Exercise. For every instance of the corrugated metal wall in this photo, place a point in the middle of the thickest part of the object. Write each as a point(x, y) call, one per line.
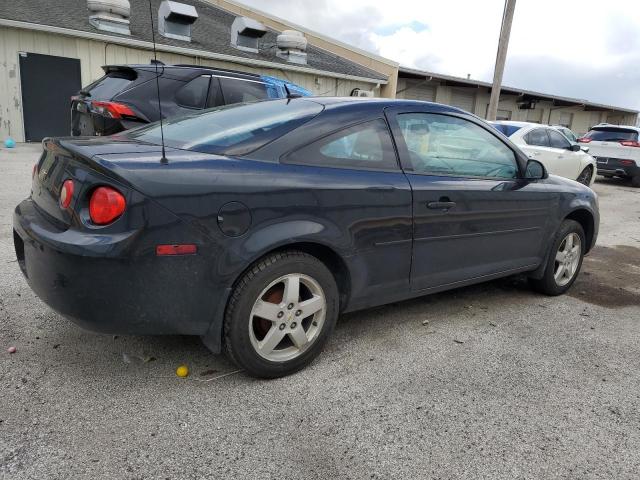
point(93, 54)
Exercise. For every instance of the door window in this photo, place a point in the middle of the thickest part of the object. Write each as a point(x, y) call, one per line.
point(194, 93)
point(537, 138)
point(444, 145)
point(557, 140)
point(365, 146)
point(241, 91)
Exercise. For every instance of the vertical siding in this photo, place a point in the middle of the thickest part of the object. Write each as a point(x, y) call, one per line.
point(93, 54)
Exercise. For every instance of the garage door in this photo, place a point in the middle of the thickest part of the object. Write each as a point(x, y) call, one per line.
point(534, 115)
point(47, 82)
point(417, 90)
point(463, 99)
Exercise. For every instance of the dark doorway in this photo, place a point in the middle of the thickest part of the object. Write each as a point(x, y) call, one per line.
point(47, 82)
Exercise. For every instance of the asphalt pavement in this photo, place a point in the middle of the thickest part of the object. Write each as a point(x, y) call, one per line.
point(491, 381)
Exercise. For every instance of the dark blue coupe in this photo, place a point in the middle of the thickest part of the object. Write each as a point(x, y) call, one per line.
point(264, 221)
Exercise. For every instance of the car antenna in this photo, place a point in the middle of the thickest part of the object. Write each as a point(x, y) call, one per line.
point(155, 61)
point(289, 94)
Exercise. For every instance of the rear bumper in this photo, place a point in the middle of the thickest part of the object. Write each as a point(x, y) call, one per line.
point(613, 166)
point(93, 280)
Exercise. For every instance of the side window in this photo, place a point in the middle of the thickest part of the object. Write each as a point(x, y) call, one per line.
point(537, 137)
point(240, 91)
point(444, 145)
point(215, 94)
point(194, 93)
point(558, 140)
point(367, 145)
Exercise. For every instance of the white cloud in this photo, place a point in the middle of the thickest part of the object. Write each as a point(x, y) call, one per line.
point(581, 48)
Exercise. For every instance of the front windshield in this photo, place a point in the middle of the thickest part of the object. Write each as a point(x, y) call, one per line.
point(231, 130)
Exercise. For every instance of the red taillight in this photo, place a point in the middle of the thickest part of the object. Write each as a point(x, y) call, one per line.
point(113, 109)
point(106, 204)
point(584, 140)
point(630, 143)
point(182, 249)
point(627, 162)
point(66, 194)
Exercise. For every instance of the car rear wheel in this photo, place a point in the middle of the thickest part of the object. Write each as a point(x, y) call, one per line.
point(585, 177)
point(635, 181)
point(280, 314)
point(565, 260)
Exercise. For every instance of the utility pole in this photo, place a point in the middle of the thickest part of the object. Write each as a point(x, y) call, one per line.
point(501, 57)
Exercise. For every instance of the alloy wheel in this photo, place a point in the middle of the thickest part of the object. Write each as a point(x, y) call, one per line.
point(567, 259)
point(585, 177)
point(287, 317)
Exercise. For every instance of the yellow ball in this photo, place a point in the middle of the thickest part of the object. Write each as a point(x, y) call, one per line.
point(182, 371)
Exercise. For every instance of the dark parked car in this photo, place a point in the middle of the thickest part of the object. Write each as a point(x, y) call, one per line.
point(264, 221)
point(127, 95)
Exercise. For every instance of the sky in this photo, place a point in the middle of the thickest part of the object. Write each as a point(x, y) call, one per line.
point(576, 48)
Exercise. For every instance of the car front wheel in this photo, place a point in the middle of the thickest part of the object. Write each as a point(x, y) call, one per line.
point(280, 314)
point(585, 177)
point(564, 261)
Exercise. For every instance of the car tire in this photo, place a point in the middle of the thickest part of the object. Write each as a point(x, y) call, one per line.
point(564, 262)
point(283, 339)
point(635, 181)
point(585, 176)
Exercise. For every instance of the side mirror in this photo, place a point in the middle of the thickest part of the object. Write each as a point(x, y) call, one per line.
point(584, 149)
point(575, 147)
point(535, 170)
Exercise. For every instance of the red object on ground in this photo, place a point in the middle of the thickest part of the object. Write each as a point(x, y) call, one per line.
point(12, 349)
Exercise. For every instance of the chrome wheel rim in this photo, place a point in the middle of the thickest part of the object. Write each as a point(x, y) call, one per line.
point(287, 317)
point(567, 259)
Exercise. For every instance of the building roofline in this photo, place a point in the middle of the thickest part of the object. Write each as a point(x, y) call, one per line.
point(516, 91)
point(309, 31)
point(132, 42)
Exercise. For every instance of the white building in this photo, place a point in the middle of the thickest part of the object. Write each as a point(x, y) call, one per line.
point(515, 104)
point(47, 55)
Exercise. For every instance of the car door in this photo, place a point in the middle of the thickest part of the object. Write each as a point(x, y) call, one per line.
point(474, 216)
point(566, 163)
point(353, 177)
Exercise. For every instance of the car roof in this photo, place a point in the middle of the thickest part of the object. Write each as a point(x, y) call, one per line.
point(518, 124)
point(181, 67)
point(625, 127)
point(382, 102)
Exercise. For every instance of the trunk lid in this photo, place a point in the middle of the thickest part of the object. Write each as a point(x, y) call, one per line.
point(69, 158)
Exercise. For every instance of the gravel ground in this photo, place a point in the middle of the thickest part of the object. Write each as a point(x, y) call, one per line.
point(491, 381)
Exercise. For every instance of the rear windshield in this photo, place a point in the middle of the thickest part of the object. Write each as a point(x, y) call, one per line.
point(507, 130)
point(110, 85)
point(233, 129)
point(609, 134)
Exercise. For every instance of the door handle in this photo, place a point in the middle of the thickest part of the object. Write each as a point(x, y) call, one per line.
point(441, 205)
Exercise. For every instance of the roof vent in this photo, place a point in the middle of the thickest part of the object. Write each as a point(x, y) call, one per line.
point(292, 46)
point(175, 20)
point(245, 33)
point(110, 15)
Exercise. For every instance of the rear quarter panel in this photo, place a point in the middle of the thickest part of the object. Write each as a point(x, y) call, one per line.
point(364, 217)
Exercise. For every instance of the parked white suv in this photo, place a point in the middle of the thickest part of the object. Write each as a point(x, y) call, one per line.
point(547, 145)
point(616, 150)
